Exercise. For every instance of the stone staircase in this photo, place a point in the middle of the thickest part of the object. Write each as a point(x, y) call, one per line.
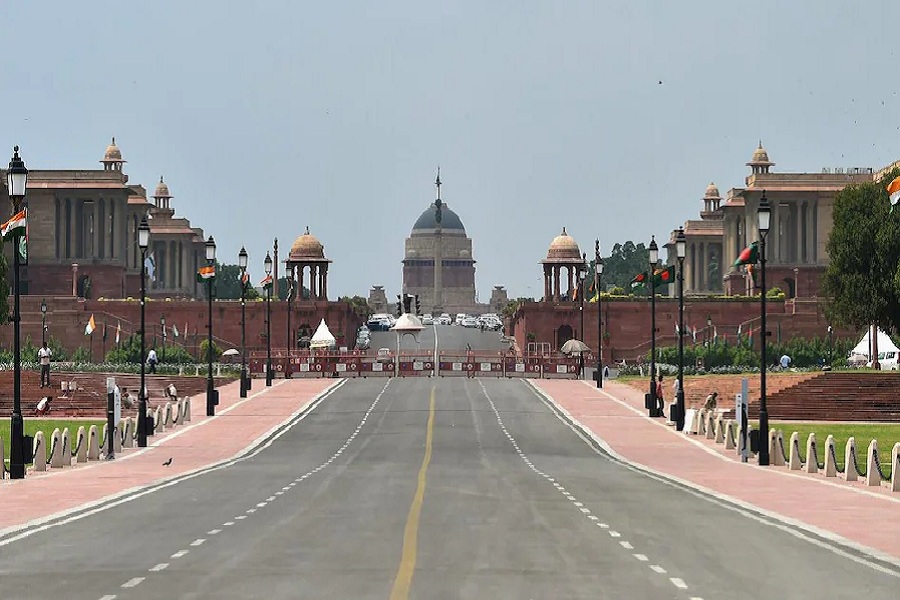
point(838, 396)
point(89, 399)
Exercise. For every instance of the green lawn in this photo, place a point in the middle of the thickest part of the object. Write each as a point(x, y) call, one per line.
point(47, 426)
point(887, 436)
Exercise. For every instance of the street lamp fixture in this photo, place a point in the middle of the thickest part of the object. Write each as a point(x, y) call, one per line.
point(680, 252)
point(16, 179)
point(143, 244)
point(598, 273)
point(709, 336)
point(268, 267)
point(43, 321)
point(654, 258)
point(211, 399)
point(242, 263)
point(290, 293)
point(763, 213)
point(830, 347)
point(162, 325)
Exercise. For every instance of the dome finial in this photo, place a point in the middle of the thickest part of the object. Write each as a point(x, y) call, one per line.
point(307, 230)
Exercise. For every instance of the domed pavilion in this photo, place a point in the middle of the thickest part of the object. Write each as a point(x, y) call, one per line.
point(562, 255)
point(307, 252)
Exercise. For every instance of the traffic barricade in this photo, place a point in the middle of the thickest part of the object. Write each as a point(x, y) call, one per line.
point(514, 367)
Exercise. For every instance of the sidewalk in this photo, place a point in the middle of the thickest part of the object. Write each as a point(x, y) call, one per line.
point(202, 442)
point(615, 414)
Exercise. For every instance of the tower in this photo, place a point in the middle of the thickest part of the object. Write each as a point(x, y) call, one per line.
point(438, 307)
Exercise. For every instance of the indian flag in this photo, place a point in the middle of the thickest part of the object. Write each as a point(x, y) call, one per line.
point(90, 327)
point(16, 225)
point(266, 282)
point(206, 273)
point(245, 278)
point(893, 189)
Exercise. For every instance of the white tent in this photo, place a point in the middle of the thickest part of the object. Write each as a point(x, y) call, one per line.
point(861, 352)
point(322, 338)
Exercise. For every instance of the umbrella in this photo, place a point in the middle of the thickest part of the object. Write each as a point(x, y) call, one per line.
point(230, 352)
point(574, 347)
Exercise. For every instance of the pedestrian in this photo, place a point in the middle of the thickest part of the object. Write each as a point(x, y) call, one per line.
point(152, 360)
point(127, 401)
point(711, 401)
point(43, 407)
point(605, 371)
point(660, 402)
point(44, 354)
point(785, 362)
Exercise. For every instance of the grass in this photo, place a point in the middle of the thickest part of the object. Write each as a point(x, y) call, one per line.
point(887, 436)
point(32, 426)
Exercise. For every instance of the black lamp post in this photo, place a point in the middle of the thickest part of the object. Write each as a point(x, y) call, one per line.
point(709, 336)
point(830, 346)
point(654, 257)
point(582, 274)
point(162, 325)
point(210, 386)
point(16, 178)
point(598, 272)
point(290, 292)
point(43, 322)
point(268, 267)
point(242, 263)
point(143, 244)
point(681, 251)
point(764, 212)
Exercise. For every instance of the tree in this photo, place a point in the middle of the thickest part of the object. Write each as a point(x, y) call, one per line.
point(358, 304)
point(862, 279)
point(625, 261)
point(228, 283)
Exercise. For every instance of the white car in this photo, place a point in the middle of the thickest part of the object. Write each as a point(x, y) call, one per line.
point(384, 355)
point(427, 319)
point(459, 319)
point(470, 322)
point(444, 319)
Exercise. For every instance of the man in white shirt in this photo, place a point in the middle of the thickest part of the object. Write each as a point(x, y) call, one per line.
point(785, 361)
point(151, 360)
point(44, 355)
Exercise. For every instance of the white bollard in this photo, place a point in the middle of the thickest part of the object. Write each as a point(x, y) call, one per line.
point(779, 444)
point(710, 426)
point(157, 419)
point(40, 452)
point(66, 448)
point(2, 464)
point(895, 465)
point(93, 452)
point(729, 434)
point(795, 452)
point(720, 430)
point(701, 422)
point(773, 446)
point(187, 409)
point(873, 477)
point(812, 464)
point(127, 433)
point(169, 419)
point(830, 465)
point(849, 451)
point(56, 449)
point(82, 444)
point(117, 438)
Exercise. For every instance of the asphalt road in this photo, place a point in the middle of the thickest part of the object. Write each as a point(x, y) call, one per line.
point(428, 488)
point(448, 337)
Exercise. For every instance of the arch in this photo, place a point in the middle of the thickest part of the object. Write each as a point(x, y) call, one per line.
point(563, 334)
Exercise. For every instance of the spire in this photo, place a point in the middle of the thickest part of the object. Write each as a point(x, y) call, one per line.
point(437, 182)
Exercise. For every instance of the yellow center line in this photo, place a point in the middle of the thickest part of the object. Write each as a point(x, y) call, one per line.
point(411, 533)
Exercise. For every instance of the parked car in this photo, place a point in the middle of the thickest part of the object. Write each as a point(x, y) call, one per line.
point(459, 319)
point(470, 322)
point(383, 355)
point(445, 319)
point(427, 319)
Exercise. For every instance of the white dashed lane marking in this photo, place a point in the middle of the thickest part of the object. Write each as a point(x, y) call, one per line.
point(132, 582)
point(159, 567)
point(213, 531)
point(109, 597)
point(676, 581)
point(198, 542)
point(180, 553)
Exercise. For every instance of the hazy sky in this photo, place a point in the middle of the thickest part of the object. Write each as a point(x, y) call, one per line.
point(269, 116)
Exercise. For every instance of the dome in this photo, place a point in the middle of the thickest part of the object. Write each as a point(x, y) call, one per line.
point(449, 219)
point(563, 246)
point(307, 246)
point(712, 191)
point(112, 152)
point(162, 190)
point(760, 156)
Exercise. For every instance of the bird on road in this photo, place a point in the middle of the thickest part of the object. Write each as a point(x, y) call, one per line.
point(167, 463)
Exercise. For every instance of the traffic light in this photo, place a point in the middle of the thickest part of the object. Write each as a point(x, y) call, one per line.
point(407, 303)
point(418, 306)
point(399, 307)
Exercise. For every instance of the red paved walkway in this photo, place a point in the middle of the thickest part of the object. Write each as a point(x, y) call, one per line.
point(867, 516)
point(201, 442)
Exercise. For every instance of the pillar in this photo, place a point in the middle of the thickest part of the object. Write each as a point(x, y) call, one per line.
point(556, 273)
point(325, 282)
point(75, 279)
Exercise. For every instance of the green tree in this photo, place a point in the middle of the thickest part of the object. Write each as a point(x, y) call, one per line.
point(358, 304)
point(625, 261)
point(228, 283)
point(216, 351)
point(862, 279)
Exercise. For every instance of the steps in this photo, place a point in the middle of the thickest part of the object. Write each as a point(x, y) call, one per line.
point(90, 398)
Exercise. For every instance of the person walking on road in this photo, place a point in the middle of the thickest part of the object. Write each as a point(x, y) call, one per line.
point(661, 404)
point(44, 354)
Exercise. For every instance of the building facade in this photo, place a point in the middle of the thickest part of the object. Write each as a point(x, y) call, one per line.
point(82, 234)
point(800, 223)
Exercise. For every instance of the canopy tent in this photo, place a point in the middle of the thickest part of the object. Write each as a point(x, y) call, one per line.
point(861, 352)
point(322, 338)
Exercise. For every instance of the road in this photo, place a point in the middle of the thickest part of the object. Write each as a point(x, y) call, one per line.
point(428, 488)
point(448, 337)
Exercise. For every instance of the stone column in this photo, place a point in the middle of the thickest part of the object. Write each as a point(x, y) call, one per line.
point(325, 282)
point(313, 273)
point(556, 273)
point(75, 279)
